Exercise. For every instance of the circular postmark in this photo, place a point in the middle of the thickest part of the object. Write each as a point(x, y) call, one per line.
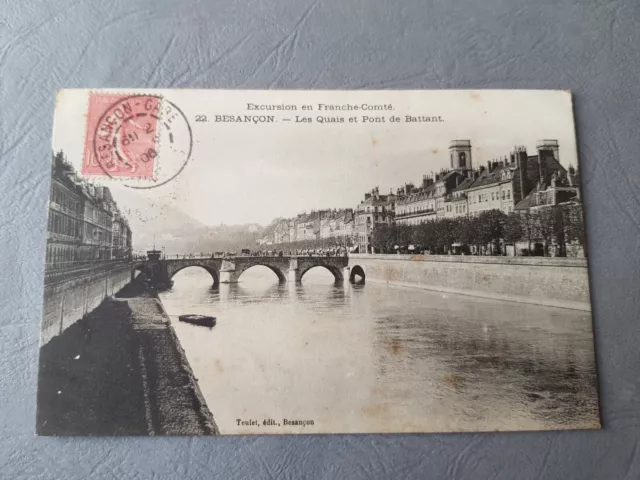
point(144, 141)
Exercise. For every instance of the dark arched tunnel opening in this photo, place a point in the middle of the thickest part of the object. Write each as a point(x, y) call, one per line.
point(357, 275)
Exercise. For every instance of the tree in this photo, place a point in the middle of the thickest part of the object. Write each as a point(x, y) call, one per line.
point(416, 235)
point(560, 234)
point(491, 228)
point(427, 235)
point(513, 230)
point(546, 226)
point(573, 222)
point(403, 236)
point(446, 233)
point(528, 220)
point(461, 230)
point(382, 237)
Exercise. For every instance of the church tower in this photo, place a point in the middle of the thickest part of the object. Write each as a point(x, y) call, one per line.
point(460, 153)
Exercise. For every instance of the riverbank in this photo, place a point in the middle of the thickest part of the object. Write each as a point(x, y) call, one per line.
point(120, 370)
point(552, 282)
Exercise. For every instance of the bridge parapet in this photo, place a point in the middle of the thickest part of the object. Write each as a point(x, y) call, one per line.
point(229, 269)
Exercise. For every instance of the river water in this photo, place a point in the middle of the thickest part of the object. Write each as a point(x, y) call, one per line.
point(380, 358)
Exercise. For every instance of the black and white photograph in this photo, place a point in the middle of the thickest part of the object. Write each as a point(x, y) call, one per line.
point(227, 262)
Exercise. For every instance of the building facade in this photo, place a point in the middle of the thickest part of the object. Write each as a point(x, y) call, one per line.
point(64, 232)
point(501, 184)
point(85, 223)
point(374, 210)
point(317, 225)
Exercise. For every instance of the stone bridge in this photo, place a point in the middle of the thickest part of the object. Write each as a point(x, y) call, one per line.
point(229, 269)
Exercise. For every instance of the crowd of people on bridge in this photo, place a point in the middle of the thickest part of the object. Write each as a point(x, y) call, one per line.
point(319, 252)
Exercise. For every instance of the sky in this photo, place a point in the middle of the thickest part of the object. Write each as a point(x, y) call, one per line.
point(251, 173)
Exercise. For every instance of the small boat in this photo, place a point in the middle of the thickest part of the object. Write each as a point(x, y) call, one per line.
point(201, 320)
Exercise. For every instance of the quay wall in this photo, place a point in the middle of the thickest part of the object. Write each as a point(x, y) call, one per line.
point(71, 295)
point(120, 370)
point(557, 282)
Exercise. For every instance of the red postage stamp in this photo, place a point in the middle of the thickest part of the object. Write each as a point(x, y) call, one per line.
point(121, 135)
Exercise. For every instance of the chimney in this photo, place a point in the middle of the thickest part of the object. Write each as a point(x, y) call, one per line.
point(488, 166)
point(522, 170)
point(541, 166)
point(425, 182)
point(437, 177)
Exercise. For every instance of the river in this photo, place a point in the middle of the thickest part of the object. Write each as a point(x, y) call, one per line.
point(379, 358)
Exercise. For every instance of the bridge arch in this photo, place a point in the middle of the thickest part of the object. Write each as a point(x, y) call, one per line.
point(337, 272)
point(215, 275)
point(240, 269)
point(357, 275)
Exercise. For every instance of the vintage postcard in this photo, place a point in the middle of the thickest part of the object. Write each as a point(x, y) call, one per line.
point(284, 262)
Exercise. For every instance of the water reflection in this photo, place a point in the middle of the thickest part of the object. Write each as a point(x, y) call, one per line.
point(377, 358)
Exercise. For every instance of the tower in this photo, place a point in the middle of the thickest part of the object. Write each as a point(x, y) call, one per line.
point(546, 148)
point(460, 154)
point(549, 145)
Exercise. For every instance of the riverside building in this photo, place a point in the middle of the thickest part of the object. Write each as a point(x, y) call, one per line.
point(374, 210)
point(85, 223)
point(502, 184)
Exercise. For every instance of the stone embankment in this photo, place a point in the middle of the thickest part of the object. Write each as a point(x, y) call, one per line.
point(555, 282)
point(120, 370)
point(69, 295)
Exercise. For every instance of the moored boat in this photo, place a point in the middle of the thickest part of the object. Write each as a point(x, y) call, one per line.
point(201, 320)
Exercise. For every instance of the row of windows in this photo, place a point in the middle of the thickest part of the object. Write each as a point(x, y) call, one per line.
point(97, 234)
point(61, 255)
point(484, 197)
point(64, 198)
point(458, 208)
point(98, 216)
point(62, 224)
point(417, 208)
point(376, 209)
point(57, 255)
point(68, 201)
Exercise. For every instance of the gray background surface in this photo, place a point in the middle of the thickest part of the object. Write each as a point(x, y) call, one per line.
point(588, 47)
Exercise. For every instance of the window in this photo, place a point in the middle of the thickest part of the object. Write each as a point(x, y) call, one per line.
point(508, 194)
point(503, 195)
point(493, 196)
